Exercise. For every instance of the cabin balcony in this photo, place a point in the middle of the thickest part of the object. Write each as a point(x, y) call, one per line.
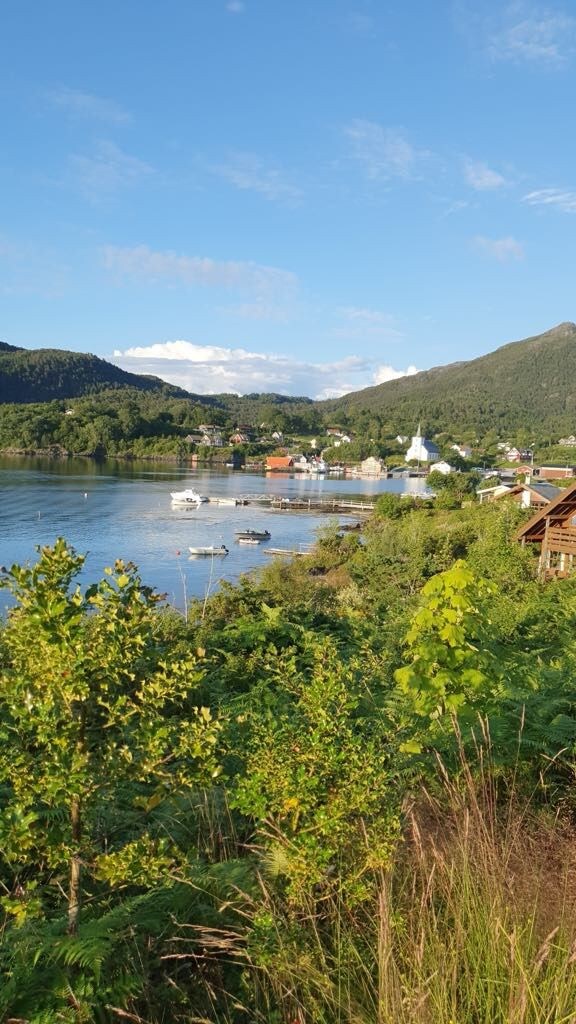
point(558, 554)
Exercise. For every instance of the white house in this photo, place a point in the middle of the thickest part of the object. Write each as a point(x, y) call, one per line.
point(441, 467)
point(422, 450)
point(372, 466)
point(464, 450)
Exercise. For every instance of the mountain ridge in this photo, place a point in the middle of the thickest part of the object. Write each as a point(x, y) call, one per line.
point(524, 385)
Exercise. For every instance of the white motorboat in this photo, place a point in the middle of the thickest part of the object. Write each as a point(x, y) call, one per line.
point(187, 497)
point(249, 540)
point(318, 466)
point(209, 549)
point(242, 536)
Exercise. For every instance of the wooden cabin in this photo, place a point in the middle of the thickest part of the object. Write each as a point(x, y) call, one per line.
point(553, 527)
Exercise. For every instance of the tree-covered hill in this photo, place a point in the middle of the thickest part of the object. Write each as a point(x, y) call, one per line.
point(525, 385)
point(41, 375)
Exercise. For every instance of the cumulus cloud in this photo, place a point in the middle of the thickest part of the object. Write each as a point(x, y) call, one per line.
point(481, 177)
point(501, 249)
point(385, 373)
point(164, 266)
point(107, 169)
point(384, 152)
point(87, 105)
point(558, 198)
point(247, 172)
point(212, 369)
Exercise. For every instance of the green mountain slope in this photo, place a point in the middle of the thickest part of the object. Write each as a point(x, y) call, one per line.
point(41, 375)
point(527, 385)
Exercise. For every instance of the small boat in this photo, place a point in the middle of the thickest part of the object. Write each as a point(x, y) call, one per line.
point(209, 549)
point(187, 497)
point(248, 540)
point(249, 535)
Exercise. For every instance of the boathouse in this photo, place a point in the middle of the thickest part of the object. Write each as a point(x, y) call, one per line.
point(274, 463)
point(553, 527)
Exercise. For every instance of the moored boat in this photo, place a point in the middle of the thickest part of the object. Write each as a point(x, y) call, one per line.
point(209, 549)
point(249, 535)
point(187, 497)
point(249, 540)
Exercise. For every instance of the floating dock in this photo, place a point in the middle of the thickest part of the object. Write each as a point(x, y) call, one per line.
point(282, 504)
point(288, 552)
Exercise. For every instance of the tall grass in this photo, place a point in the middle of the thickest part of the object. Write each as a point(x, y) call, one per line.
point(473, 923)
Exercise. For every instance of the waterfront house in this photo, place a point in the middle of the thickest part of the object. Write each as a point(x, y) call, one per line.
point(372, 466)
point(441, 467)
point(275, 463)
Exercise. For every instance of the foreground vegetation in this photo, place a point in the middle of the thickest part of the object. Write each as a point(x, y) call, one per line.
point(341, 793)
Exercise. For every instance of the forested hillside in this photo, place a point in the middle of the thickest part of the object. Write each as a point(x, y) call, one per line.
point(41, 375)
point(525, 388)
point(526, 385)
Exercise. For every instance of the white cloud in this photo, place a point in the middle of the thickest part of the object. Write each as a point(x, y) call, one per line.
point(210, 369)
point(384, 152)
point(501, 249)
point(481, 177)
point(385, 373)
point(157, 266)
point(246, 171)
point(107, 169)
point(84, 104)
point(532, 33)
point(555, 197)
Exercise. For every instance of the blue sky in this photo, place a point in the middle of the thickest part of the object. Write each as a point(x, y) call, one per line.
point(306, 196)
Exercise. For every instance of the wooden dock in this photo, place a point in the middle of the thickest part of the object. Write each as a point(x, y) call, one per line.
point(288, 552)
point(279, 503)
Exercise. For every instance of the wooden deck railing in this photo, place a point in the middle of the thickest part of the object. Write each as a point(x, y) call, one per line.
point(561, 540)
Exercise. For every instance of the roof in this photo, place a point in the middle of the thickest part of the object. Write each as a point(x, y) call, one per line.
point(559, 512)
point(548, 491)
point(279, 461)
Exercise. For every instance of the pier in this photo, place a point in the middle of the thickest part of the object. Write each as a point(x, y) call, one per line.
point(282, 504)
point(303, 549)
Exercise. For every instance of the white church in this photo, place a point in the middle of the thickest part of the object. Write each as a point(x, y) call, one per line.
point(422, 450)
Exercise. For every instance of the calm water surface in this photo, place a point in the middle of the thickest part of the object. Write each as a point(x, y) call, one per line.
point(122, 509)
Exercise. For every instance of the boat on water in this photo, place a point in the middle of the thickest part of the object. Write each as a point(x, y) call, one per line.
point(187, 497)
point(209, 549)
point(318, 466)
point(250, 535)
point(249, 540)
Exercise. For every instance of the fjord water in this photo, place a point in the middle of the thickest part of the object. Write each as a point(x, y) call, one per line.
point(120, 509)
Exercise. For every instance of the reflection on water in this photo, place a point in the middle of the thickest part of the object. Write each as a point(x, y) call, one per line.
point(119, 509)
